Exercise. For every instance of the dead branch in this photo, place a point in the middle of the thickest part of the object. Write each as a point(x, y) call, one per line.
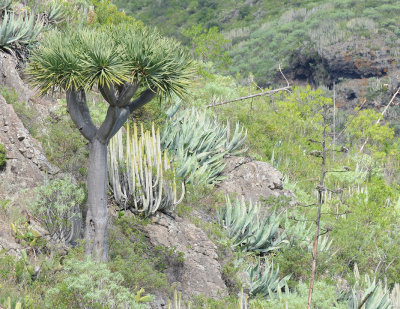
point(381, 116)
point(268, 92)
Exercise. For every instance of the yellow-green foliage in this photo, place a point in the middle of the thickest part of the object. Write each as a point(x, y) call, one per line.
point(3, 156)
point(366, 127)
point(106, 13)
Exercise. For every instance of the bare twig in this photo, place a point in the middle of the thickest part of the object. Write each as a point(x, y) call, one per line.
point(351, 120)
point(381, 116)
point(268, 92)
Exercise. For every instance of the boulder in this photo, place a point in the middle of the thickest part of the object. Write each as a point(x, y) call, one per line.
point(253, 180)
point(200, 271)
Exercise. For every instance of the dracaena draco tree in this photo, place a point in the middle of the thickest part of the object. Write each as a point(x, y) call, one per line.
point(129, 67)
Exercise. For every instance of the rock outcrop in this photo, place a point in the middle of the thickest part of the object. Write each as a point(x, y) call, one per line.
point(200, 272)
point(26, 164)
point(349, 64)
point(253, 180)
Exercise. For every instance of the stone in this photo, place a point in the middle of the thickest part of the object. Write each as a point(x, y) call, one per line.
point(26, 160)
point(200, 272)
point(252, 180)
point(9, 77)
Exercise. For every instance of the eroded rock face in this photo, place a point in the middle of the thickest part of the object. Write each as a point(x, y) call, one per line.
point(26, 164)
point(9, 77)
point(200, 272)
point(253, 180)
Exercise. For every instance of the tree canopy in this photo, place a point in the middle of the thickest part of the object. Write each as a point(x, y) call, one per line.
point(109, 56)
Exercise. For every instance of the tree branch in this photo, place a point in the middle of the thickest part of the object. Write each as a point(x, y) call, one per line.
point(126, 93)
point(108, 125)
point(108, 93)
point(79, 112)
point(269, 92)
point(124, 112)
point(146, 96)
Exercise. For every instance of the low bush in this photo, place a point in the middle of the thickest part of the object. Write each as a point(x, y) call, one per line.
point(3, 156)
point(57, 206)
point(89, 284)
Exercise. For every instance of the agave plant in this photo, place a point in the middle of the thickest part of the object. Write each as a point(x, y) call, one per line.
point(198, 143)
point(5, 5)
point(395, 296)
point(249, 230)
point(140, 173)
point(265, 281)
point(298, 233)
point(55, 15)
point(18, 305)
point(368, 294)
point(20, 30)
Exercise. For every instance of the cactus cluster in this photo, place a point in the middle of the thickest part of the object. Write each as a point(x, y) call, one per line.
point(249, 230)
point(140, 173)
point(198, 144)
point(17, 32)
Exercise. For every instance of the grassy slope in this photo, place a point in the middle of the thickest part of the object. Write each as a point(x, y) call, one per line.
point(264, 33)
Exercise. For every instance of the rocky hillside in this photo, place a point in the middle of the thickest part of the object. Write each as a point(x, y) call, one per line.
point(254, 203)
point(353, 44)
point(193, 264)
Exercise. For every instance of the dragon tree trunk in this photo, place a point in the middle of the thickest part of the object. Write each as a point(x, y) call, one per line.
point(97, 216)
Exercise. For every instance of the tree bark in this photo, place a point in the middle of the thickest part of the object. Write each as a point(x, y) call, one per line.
point(96, 233)
point(97, 215)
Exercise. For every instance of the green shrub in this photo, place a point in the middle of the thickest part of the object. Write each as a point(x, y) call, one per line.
point(64, 146)
point(57, 206)
point(89, 284)
point(3, 156)
point(135, 258)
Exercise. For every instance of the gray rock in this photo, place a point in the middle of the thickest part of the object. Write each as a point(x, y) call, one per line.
point(200, 272)
point(253, 180)
point(26, 161)
point(9, 77)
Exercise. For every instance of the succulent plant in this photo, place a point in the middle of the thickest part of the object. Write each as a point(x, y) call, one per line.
point(249, 230)
point(57, 207)
point(300, 234)
point(140, 173)
point(20, 30)
point(18, 305)
point(55, 14)
point(368, 294)
point(198, 144)
point(5, 5)
point(265, 281)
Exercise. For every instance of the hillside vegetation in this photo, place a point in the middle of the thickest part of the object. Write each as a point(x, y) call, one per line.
point(340, 167)
point(263, 34)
